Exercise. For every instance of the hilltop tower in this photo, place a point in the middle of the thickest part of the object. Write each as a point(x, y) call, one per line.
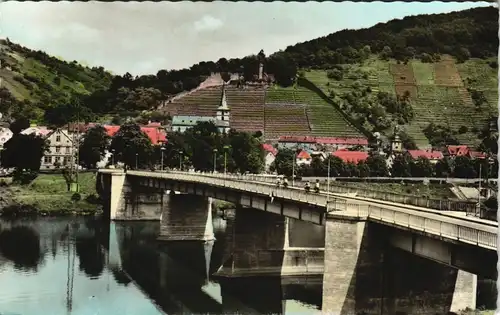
point(223, 110)
point(261, 71)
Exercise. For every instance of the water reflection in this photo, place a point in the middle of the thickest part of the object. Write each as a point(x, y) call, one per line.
point(21, 237)
point(85, 266)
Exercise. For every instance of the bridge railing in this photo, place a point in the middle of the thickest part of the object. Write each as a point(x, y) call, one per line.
point(426, 202)
point(481, 234)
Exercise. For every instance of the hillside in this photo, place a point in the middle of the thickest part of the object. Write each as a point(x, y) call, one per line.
point(439, 92)
point(40, 81)
point(432, 75)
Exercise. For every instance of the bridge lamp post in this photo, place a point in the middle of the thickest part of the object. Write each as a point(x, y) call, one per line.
point(137, 161)
point(162, 149)
point(113, 157)
point(226, 148)
point(215, 158)
point(328, 184)
point(180, 160)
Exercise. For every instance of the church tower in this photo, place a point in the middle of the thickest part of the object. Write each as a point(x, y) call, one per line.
point(223, 110)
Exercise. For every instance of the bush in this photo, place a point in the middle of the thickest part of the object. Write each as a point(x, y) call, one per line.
point(76, 197)
point(463, 129)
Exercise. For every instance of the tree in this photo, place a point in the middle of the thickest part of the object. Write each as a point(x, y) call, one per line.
point(377, 165)
point(464, 167)
point(401, 166)
point(363, 170)
point(202, 140)
point(444, 168)
point(422, 167)
point(337, 166)
point(318, 166)
point(284, 162)
point(131, 145)
point(24, 153)
point(19, 125)
point(489, 137)
point(65, 113)
point(246, 152)
point(93, 147)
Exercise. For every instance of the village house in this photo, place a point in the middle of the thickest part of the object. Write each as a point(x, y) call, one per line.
point(37, 130)
point(304, 158)
point(155, 133)
point(333, 143)
point(432, 156)
point(351, 156)
point(5, 135)
point(182, 123)
point(270, 155)
point(61, 151)
point(456, 150)
point(293, 142)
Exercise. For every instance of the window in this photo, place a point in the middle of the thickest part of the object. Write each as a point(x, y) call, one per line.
point(58, 149)
point(58, 159)
point(67, 149)
point(47, 159)
point(58, 138)
point(66, 160)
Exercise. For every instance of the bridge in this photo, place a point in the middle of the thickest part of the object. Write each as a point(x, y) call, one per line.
point(377, 257)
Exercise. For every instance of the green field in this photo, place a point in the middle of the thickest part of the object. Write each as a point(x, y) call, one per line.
point(48, 192)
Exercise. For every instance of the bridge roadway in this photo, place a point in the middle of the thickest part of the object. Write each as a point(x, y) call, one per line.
point(355, 251)
point(448, 226)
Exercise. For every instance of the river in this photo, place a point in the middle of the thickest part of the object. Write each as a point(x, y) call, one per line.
point(84, 266)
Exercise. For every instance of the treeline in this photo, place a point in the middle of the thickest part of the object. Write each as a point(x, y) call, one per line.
point(376, 166)
point(463, 34)
point(202, 147)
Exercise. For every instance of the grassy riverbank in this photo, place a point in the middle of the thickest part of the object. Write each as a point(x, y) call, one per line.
point(48, 194)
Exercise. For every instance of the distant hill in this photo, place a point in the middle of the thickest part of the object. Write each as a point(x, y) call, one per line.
point(43, 81)
point(433, 75)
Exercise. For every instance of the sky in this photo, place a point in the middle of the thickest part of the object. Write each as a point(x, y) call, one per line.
point(144, 37)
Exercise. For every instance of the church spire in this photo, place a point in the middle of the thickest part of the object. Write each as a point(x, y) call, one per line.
point(223, 103)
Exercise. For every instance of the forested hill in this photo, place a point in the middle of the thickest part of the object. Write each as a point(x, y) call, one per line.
point(45, 82)
point(462, 34)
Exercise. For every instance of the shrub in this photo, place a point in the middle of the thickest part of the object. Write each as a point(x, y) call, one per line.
point(76, 197)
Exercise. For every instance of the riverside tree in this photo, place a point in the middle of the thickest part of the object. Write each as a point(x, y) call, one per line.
point(24, 153)
point(132, 146)
point(93, 147)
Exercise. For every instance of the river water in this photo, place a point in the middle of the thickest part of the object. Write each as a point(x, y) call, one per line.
point(56, 266)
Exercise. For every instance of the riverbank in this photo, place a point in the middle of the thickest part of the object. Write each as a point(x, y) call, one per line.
point(48, 195)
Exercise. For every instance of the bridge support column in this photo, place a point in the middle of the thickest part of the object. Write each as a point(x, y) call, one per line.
point(187, 218)
point(260, 246)
point(364, 274)
point(129, 202)
point(353, 271)
point(417, 285)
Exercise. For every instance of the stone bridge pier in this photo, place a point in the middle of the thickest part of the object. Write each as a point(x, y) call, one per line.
point(363, 274)
point(128, 200)
point(187, 218)
point(258, 244)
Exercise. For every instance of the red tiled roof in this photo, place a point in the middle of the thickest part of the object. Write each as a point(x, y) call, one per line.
point(351, 156)
point(269, 148)
point(303, 155)
point(324, 140)
point(431, 155)
point(457, 150)
point(477, 154)
point(156, 135)
point(346, 141)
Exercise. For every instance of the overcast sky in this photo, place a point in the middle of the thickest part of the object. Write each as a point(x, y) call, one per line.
point(142, 38)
